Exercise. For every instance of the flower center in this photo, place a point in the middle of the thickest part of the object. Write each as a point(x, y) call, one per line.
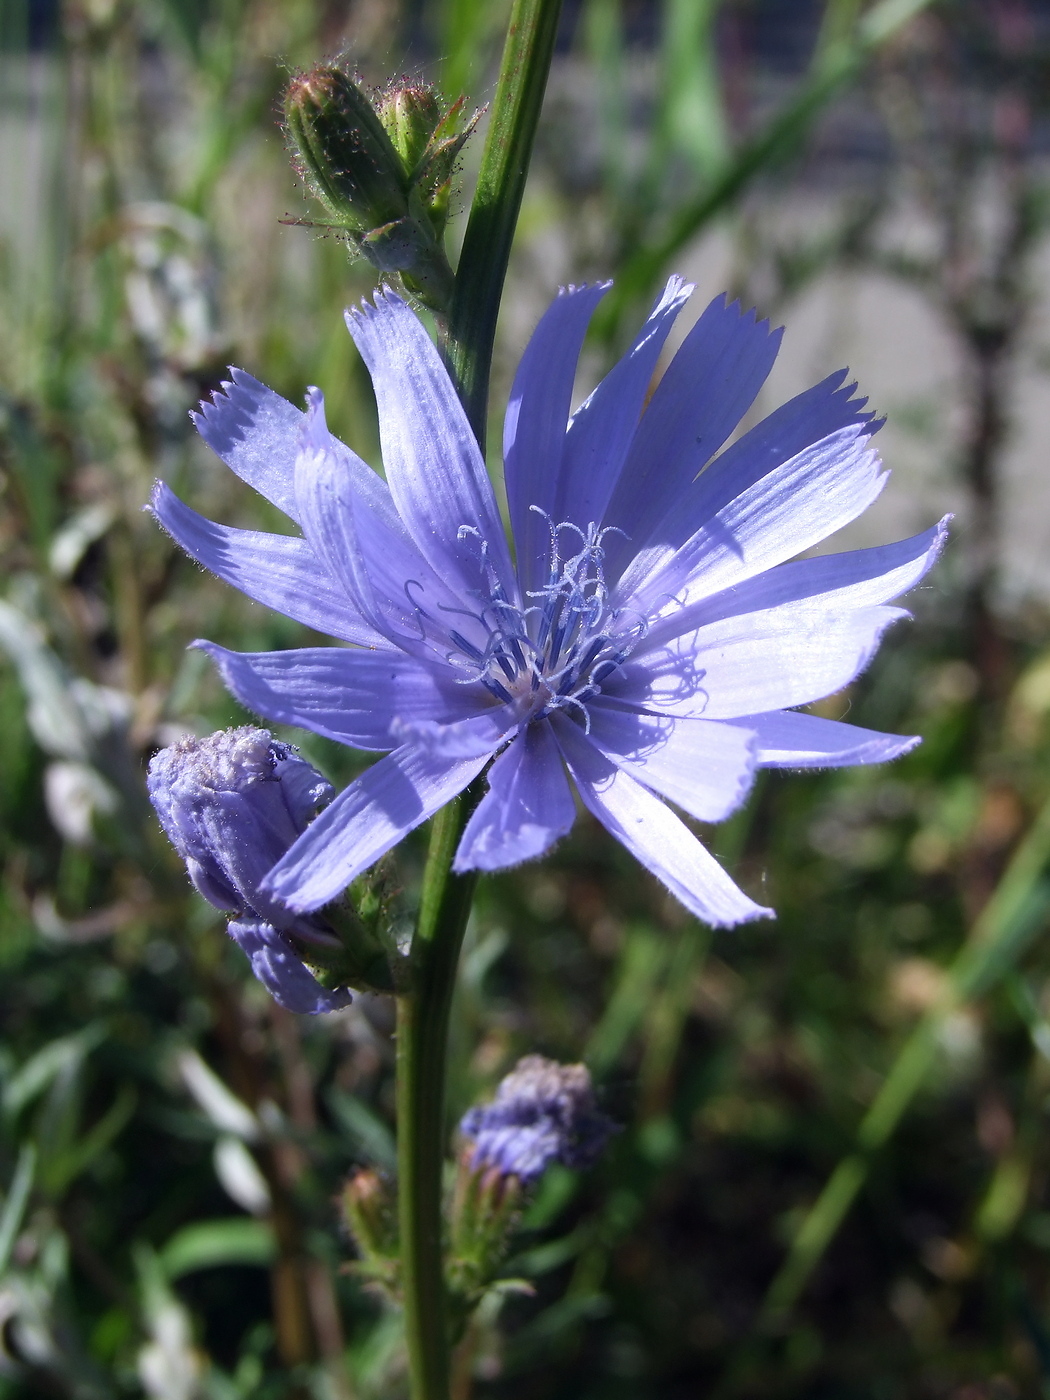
point(557, 652)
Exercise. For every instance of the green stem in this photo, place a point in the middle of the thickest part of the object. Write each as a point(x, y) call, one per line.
point(422, 1036)
point(497, 199)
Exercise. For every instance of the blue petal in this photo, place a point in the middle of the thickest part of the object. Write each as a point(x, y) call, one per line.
point(601, 430)
point(707, 388)
point(807, 419)
point(465, 738)
point(535, 423)
point(369, 817)
point(653, 834)
point(792, 508)
point(854, 579)
point(349, 696)
point(772, 660)
point(371, 554)
point(256, 433)
point(279, 571)
point(282, 972)
point(786, 739)
point(435, 470)
point(527, 808)
point(702, 766)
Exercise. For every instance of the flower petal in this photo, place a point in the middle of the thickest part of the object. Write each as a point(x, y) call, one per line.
point(764, 661)
point(786, 739)
point(280, 571)
point(703, 766)
point(791, 508)
point(653, 834)
point(257, 433)
point(527, 808)
point(367, 818)
point(535, 423)
point(349, 696)
point(856, 578)
point(600, 433)
point(706, 390)
point(282, 972)
point(805, 420)
point(465, 738)
point(434, 467)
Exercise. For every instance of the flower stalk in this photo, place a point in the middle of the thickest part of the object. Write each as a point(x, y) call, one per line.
point(422, 1043)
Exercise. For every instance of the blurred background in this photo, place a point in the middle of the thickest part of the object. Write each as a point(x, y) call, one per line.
point(832, 1179)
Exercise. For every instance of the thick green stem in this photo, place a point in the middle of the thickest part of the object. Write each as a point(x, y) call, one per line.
point(497, 199)
point(422, 1036)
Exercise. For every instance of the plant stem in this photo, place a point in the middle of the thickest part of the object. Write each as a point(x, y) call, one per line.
point(497, 199)
point(422, 1036)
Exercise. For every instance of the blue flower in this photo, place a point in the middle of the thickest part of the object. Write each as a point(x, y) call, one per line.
point(653, 640)
point(543, 1112)
point(232, 804)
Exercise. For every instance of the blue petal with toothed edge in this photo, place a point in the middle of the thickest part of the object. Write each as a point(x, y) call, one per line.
point(349, 696)
point(367, 818)
point(706, 767)
point(707, 388)
point(653, 834)
point(280, 571)
point(857, 578)
point(434, 467)
point(803, 421)
point(774, 660)
point(535, 423)
point(256, 433)
point(789, 510)
point(787, 739)
point(601, 430)
point(527, 808)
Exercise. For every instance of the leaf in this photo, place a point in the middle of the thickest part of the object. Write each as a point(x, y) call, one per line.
point(211, 1244)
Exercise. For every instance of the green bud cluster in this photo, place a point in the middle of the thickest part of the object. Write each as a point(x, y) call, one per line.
point(382, 166)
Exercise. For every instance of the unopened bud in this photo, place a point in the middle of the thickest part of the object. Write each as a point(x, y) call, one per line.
point(345, 153)
point(410, 115)
point(370, 1211)
point(383, 173)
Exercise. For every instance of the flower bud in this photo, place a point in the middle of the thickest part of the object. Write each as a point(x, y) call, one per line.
point(345, 153)
point(232, 804)
point(362, 165)
point(543, 1112)
point(410, 115)
point(370, 1210)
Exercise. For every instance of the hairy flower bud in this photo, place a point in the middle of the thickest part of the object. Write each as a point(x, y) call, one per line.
point(543, 1112)
point(410, 114)
point(381, 172)
point(345, 152)
point(232, 804)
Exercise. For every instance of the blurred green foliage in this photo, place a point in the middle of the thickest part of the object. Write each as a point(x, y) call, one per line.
point(832, 1179)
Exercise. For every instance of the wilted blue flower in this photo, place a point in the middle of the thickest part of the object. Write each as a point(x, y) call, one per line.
point(232, 804)
point(652, 640)
point(543, 1112)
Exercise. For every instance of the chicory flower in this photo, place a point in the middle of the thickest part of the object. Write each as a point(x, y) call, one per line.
point(652, 639)
point(543, 1113)
point(232, 804)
